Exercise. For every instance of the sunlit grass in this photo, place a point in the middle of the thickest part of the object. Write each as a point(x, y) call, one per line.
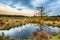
point(10, 22)
point(57, 37)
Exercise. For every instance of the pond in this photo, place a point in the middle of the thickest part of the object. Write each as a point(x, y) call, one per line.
point(28, 29)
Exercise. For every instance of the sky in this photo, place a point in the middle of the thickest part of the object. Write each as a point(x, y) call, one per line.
point(27, 7)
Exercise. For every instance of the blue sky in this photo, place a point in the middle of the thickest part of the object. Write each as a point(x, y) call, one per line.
point(52, 6)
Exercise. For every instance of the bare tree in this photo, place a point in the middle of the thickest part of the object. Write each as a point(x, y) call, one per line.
point(41, 10)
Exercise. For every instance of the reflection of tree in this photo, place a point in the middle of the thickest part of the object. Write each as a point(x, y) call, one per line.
point(41, 27)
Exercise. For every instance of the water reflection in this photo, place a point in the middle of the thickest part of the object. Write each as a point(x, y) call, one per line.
point(28, 29)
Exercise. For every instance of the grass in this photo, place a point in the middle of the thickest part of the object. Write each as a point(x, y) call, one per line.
point(7, 22)
point(57, 37)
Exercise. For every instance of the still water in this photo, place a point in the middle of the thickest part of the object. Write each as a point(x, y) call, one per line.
point(28, 29)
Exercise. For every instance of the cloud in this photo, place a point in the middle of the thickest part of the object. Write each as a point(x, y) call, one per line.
point(28, 12)
point(54, 7)
point(8, 10)
point(29, 5)
point(25, 2)
point(14, 2)
point(50, 5)
point(38, 2)
point(11, 11)
point(55, 4)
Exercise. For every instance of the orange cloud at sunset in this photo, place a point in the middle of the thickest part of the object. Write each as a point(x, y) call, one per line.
point(10, 11)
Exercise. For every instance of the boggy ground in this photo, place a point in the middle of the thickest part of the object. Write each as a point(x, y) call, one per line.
point(10, 22)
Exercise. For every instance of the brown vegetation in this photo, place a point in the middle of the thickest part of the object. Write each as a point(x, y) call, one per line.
point(9, 22)
point(41, 36)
